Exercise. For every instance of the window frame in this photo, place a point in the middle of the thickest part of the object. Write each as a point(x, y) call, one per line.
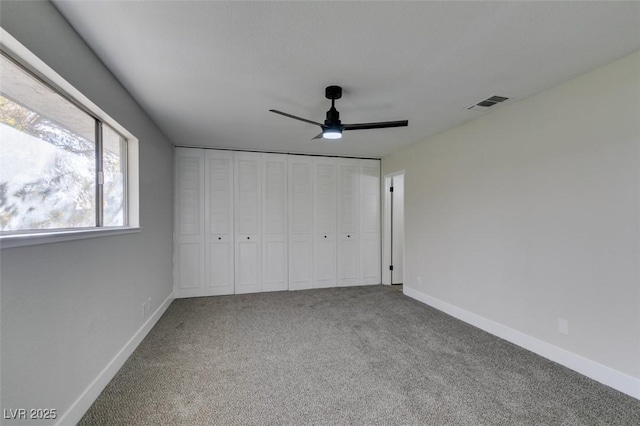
point(22, 57)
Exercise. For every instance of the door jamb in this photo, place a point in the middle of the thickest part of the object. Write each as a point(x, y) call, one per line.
point(386, 226)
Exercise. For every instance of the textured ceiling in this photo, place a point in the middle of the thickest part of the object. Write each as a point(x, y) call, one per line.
point(208, 72)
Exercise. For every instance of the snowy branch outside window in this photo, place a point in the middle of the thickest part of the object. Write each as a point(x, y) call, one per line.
point(49, 160)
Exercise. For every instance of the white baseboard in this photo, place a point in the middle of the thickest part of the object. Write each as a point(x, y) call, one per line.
point(598, 372)
point(73, 415)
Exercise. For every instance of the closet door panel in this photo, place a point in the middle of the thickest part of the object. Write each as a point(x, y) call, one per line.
point(348, 191)
point(370, 259)
point(248, 188)
point(189, 263)
point(324, 222)
point(189, 191)
point(348, 222)
point(247, 272)
point(300, 177)
point(275, 266)
point(274, 222)
point(220, 269)
point(189, 245)
point(348, 261)
point(248, 222)
point(325, 262)
point(300, 262)
point(219, 223)
point(370, 221)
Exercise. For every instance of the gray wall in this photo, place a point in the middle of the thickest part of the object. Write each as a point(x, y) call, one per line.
point(531, 213)
point(68, 308)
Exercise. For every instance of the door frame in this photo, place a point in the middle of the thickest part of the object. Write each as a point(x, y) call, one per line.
point(386, 226)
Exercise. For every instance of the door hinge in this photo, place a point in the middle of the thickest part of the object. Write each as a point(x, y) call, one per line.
point(391, 189)
point(100, 178)
point(391, 267)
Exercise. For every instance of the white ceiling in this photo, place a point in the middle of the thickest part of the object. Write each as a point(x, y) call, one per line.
point(208, 72)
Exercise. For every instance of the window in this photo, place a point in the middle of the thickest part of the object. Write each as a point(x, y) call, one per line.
point(114, 148)
point(62, 168)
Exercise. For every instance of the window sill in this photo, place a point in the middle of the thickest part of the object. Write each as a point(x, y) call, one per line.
point(21, 240)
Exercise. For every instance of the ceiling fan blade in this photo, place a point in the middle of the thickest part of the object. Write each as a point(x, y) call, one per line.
point(379, 125)
point(319, 136)
point(295, 118)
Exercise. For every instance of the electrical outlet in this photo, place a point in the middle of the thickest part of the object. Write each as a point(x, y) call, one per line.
point(563, 326)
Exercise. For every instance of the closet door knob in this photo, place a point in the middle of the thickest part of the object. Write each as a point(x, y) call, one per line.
point(325, 236)
point(348, 236)
point(247, 238)
point(219, 238)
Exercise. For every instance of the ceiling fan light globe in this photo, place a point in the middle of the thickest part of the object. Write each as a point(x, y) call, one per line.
point(332, 134)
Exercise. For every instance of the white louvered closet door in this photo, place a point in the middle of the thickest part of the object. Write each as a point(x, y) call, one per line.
point(274, 223)
point(370, 248)
point(253, 222)
point(348, 222)
point(219, 230)
point(248, 222)
point(189, 253)
point(324, 222)
point(300, 176)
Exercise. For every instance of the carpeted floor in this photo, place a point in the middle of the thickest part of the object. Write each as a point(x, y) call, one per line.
point(361, 355)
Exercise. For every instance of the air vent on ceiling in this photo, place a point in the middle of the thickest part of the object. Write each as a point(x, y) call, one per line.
point(489, 102)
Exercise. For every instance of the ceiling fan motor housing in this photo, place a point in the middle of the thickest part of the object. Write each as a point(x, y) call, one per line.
point(333, 118)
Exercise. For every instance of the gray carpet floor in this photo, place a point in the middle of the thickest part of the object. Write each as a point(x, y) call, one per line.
point(361, 355)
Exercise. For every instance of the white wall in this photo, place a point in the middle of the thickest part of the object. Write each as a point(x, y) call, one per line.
point(68, 308)
point(531, 213)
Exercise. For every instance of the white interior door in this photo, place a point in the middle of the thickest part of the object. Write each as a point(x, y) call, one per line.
point(348, 260)
point(300, 222)
point(189, 244)
point(219, 265)
point(324, 222)
point(370, 247)
point(248, 222)
point(274, 223)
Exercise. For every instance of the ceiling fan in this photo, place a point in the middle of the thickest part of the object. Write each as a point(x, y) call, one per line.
point(333, 127)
